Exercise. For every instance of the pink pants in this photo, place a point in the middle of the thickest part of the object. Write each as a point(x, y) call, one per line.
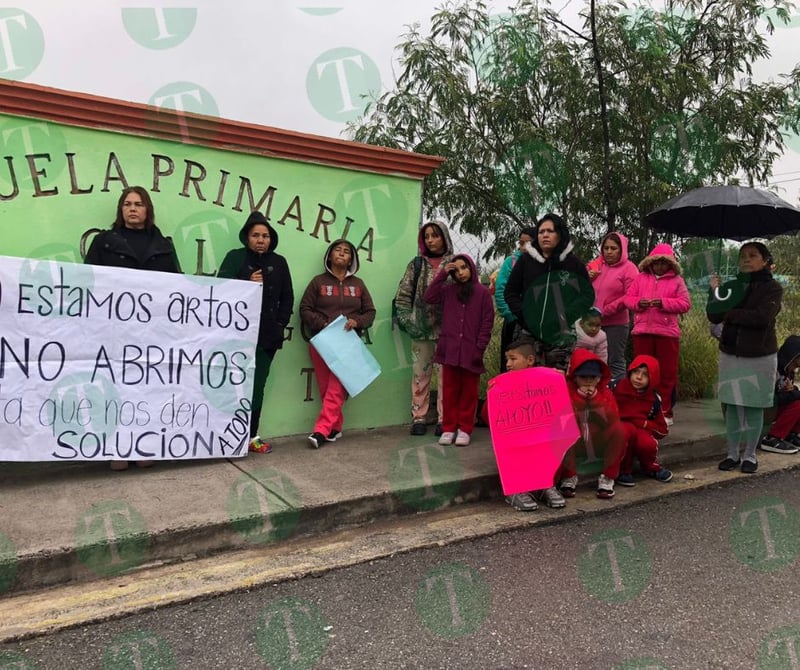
point(460, 399)
point(422, 354)
point(331, 393)
point(666, 351)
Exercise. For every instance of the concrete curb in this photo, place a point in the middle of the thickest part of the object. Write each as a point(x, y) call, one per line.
point(28, 615)
point(185, 506)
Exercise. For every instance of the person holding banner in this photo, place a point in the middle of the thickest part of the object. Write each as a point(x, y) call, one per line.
point(421, 320)
point(520, 355)
point(547, 291)
point(257, 261)
point(467, 320)
point(134, 241)
point(336, 292)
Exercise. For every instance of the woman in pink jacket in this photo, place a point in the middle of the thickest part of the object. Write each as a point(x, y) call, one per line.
point(657, 297)
point(612, 274)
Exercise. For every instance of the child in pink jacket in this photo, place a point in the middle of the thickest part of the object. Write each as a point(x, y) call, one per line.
point(590, 334)
point(657, 297)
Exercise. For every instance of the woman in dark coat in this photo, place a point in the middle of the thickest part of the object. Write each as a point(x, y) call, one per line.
point(747, 308)
point(257, 261)
point(135, 242)
point(548, 290)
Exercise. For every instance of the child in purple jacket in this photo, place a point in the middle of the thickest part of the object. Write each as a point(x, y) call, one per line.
point(467, 320)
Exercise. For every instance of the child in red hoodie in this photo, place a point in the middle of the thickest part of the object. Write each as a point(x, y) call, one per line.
point(642, 419)
point(598, 420)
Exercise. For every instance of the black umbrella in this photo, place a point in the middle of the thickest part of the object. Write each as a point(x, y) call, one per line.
point(731, 212)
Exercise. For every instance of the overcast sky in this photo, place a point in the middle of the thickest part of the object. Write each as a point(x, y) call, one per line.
point(295, 64)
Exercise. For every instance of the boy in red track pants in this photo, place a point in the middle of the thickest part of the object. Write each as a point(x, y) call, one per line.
point(642, 419)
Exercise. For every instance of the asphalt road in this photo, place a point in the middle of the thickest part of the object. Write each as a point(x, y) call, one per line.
point(705, 579)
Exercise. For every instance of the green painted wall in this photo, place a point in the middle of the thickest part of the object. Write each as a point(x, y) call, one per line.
point(58, 183)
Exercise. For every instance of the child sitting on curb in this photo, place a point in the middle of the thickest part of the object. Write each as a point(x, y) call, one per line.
point(642, 419)
point(598, 420)
point(784, 434)
point(521, 354)
point(590, 334)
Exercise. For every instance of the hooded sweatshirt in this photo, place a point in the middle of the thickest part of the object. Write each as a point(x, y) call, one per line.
point(788, 352)
point(466, 326)
point(669, 288)
point(597, 344)
point(613, 282)
point(547, 294)
point(641, 408)
point(277, 299)
point(595, 412)
point(326, 297)
point(502, 279)
point(422, 321)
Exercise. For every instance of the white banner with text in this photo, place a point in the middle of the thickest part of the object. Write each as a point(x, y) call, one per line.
point(100, 363)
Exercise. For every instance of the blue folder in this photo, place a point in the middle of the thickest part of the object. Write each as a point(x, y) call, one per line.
point(347, 356)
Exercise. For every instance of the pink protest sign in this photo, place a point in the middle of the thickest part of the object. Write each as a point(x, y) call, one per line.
point(532, 425)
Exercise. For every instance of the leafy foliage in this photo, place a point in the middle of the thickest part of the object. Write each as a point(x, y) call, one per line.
point(601, 122)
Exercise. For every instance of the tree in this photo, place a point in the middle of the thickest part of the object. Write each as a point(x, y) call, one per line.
point(600, 122)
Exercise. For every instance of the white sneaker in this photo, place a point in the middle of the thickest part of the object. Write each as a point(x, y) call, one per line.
point(462, 439)
point(670, 420)
point(605, 487)
point(568, 486)
point(551, 497)
point(447, 438)
point(522, 502)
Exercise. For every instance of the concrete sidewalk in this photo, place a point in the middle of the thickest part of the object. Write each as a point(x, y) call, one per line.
point(62, 523)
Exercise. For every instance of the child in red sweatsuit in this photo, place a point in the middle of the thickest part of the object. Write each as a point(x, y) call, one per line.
point(642, 419)
point(598, 420)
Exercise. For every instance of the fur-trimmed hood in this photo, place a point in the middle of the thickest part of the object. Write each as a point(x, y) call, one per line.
point(564, 246)
point(661, 252)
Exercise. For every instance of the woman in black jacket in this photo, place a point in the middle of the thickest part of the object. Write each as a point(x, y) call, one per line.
point(257, 261)
point(747, 308)
point(134, 241)
point(548, 290)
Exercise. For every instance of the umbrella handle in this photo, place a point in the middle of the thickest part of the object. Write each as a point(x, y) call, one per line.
point(719, 297)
